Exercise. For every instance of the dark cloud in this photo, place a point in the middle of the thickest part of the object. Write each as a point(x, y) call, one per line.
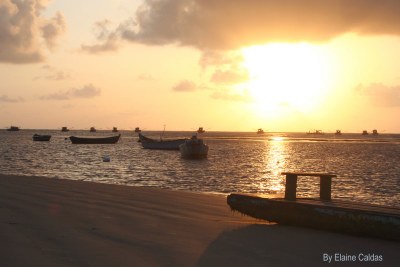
point(24, 33)
point(185, 86)
point(228, 25)
point(87, 91)
point(381, 94)
point(7, 99)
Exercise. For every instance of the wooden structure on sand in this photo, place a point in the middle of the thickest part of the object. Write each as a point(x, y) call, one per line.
point(320, 213)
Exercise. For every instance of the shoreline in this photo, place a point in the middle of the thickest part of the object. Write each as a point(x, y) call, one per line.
point(56, 222)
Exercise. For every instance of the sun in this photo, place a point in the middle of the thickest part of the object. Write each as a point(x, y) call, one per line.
point(296, 76)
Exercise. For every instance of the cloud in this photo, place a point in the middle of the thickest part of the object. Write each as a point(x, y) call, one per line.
point(228, 25)
point(234, 76)
point(87, 91)
point(145, 77)
point(53, 74)
point(109, 40)
point(215, 58)
point(227, 95)
point(185, 86)
point(381, 94)
point(7, 99)
point(24, 33)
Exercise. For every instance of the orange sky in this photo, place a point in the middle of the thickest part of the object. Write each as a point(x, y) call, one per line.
point(293, 65)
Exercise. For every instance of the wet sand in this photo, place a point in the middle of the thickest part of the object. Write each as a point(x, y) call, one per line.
point(54, 222)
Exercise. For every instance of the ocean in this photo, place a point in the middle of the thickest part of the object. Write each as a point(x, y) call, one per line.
point(367, 167)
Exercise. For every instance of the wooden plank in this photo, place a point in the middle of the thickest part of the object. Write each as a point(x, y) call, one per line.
point(309, 174)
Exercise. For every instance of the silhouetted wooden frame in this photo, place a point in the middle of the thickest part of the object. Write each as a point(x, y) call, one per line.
point(325, 184)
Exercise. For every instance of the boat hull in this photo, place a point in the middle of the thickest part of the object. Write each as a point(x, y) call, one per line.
point(338, 216)
point(162, 145)
point(149, 143)
point(95, 140)
point(194, 149)
point(42, 138)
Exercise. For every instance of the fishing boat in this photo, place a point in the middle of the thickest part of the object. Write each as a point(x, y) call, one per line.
point(13, 129)
point(64, 129)
point(260, 131)
point(194, 148)
point(137, 130)
point(95, 140)
point(201, 130)
point(41, 137)
point(168, 144)
point(375, 132)
point(92, 129)
point(338, 132)
point(315, 132)
point(365, 132)
point(115, 130)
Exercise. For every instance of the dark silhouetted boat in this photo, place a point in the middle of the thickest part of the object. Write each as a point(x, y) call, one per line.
point(260, 131)
point(375, 132)
point(201, 130)
point(64, 129)
point(13, 129)
point(194, 148)
point(115, 130)
point(338, 132)
point(168, 144)
point(92, 129)
point(95, 140)
point(365, 132)
point(41, 137)
point(315, 132)
point(137, 130)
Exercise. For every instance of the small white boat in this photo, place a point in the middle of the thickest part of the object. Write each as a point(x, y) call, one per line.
point(194, 148)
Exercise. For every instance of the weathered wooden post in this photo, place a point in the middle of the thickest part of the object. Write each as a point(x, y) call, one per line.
point(291, 186)
point(325, 185)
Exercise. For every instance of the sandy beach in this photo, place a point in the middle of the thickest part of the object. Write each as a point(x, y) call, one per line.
point(54, 222)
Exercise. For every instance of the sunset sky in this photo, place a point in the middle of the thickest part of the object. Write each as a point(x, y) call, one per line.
point(280, 65)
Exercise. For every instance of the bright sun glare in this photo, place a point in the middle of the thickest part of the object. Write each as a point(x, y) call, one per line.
point(287, 75)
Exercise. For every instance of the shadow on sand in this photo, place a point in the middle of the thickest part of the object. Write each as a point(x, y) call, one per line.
point(276, 245)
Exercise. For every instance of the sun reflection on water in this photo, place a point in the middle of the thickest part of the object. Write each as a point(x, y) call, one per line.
point(275, 164)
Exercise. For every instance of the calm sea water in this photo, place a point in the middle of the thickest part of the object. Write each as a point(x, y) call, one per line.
point(368, 167)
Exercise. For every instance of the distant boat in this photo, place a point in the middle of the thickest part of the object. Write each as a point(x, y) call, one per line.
point(338, 132)
point(13, 129)
point(92, 129)
point(95, 140)
point(170, 144)
point(260, 131)
point(365, 132)
point(64, 129)
point(201, 130)
point(194, 148)
point(315, 132)
point(375, 132)
point(41, 137)
point(137, 130)
point(115, 130)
